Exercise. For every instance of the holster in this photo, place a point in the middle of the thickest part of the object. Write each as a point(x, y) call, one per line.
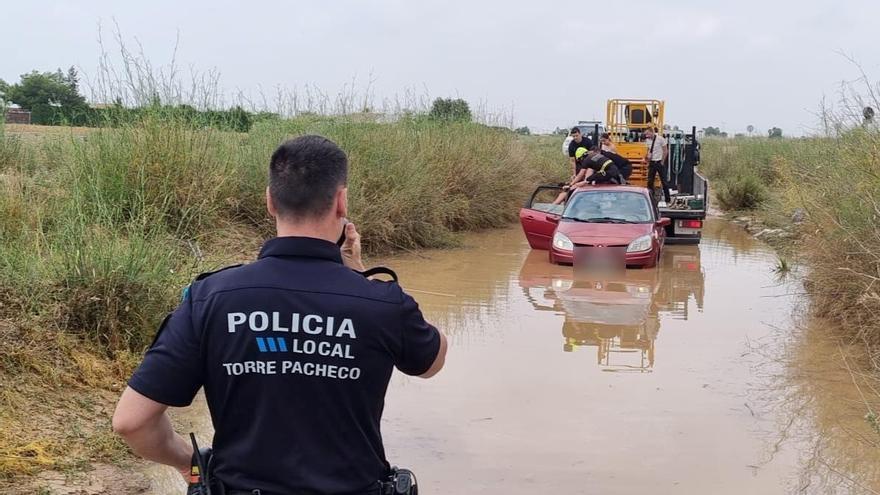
point(400, 482)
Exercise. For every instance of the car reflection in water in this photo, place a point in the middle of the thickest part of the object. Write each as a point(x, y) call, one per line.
point(620, 315)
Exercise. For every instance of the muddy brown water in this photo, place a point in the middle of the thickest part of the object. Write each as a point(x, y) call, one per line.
point(669, 380)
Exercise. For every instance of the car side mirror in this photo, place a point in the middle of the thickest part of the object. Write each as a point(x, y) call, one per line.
point(663, 222)
point(552, 219)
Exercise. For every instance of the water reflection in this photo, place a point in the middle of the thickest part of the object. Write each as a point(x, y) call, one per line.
point(620, 317)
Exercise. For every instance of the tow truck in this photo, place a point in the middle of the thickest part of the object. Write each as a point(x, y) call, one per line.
point(626, 123)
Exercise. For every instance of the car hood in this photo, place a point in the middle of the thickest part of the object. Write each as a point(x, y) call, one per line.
point(604, 234)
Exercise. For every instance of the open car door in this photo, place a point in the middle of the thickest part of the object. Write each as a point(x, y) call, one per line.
point(539, 216)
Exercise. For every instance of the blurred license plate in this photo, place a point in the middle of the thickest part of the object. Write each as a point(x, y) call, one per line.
point(599, 259)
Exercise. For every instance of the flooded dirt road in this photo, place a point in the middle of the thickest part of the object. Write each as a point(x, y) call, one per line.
point(659, 381)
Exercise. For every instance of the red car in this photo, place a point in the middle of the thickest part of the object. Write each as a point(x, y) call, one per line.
point(606, 216)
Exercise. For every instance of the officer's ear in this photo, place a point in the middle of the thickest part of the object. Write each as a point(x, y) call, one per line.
point(270, 206)
point(342, 202)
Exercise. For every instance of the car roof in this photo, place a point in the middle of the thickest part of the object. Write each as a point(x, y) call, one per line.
point(612, 188)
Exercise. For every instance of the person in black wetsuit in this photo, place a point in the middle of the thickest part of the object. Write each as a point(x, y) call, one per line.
point(623, 165)
point(600, 169)
point(592, 168)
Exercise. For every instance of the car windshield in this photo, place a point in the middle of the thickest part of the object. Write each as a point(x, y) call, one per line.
point(587, 130)
point(608, 207)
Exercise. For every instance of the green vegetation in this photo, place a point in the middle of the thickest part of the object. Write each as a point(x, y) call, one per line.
point(742, 192)
point(450, 109)
point(50, 96)
point(99, 233)
point(828, 190)
point(54, 98)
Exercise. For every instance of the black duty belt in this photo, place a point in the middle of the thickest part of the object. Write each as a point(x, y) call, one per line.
point(375, 491)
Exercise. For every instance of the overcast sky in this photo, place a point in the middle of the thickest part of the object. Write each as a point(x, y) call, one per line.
point(728, 64)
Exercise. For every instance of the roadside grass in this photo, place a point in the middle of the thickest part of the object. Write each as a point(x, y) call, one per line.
point(100, 231)
point(834, 184)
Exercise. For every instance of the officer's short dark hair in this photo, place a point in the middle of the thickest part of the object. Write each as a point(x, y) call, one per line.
point(304, 175)
point(575, 130)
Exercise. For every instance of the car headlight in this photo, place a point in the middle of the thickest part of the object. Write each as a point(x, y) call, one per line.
point(560, 241)
point(643, 243)
point(562, 285)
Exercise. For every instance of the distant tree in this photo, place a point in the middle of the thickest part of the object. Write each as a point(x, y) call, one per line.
point(3, 88)
point(50, 96)
point(450, 109)
point(523, 131)
point(711, 131)
point(561, 131)
point(239, 119)
point(723, 134)
point(750, 128)
point(775, 133)
point(739, 135)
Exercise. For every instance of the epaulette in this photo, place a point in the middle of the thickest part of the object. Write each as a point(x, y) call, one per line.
point(202, 276)
point(208, 274)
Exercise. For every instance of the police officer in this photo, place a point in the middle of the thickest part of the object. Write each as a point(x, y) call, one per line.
point(294, 350)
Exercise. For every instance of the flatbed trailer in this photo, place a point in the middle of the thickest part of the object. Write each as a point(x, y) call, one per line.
point(627, 121)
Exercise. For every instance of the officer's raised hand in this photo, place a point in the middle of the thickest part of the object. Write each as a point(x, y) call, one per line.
point(351, 248)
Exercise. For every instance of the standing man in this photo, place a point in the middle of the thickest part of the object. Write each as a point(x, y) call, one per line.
point(657, 152)
point(578, 140)
point(294, 350)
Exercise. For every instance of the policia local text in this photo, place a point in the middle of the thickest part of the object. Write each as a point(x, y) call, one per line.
point(262, 321)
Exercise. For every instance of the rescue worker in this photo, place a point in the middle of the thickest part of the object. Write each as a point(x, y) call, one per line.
point(580, 170)
point(294, 350)
point(656, 154)
point(578, 140)
point(593, 168)
point(600, 169)
point(623, 165)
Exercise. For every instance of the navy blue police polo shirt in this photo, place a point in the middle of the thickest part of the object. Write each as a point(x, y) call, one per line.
point(294, 351)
